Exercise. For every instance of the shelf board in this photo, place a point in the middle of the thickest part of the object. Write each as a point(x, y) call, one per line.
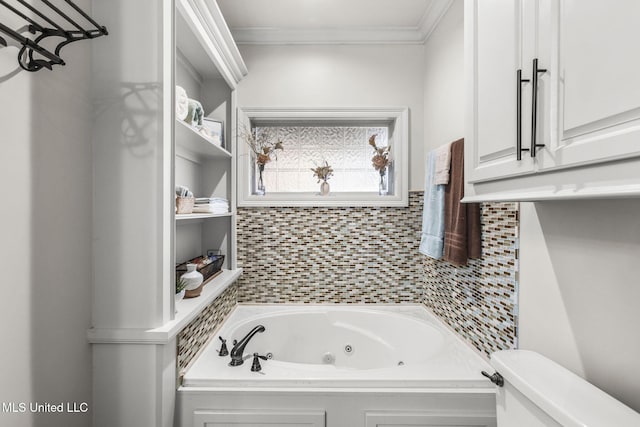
point(196, 216)
point(186, 311)
point(189, 309)
point(193, 141)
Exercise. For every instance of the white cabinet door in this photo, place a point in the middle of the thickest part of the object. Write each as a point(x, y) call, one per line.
point(590, 96)
point(493, 53)
point(261, 418)
point(412, 419)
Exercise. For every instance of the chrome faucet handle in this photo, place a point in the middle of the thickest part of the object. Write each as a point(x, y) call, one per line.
point(223, 348)
point(496, 378)
point(255, 366)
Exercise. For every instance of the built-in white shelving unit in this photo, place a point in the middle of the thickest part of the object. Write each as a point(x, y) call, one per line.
point(140, 151)
point(205, 166)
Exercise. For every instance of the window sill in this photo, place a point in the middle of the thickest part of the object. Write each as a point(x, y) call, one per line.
point(332, 199)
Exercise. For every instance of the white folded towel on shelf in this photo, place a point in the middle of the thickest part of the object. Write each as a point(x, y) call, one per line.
point(443, 165)
point(211, 200)
point(182, 103)
point(214, 205)
point(210, 209)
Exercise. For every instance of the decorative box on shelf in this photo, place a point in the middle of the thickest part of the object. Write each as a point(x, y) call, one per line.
point(209, 266)
point(184, 205)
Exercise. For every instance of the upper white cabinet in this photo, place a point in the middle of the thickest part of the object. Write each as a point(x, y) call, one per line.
point(494, 30)
point(592, 94)
point(577, 114)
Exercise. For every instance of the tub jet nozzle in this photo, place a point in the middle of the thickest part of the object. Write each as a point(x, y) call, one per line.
point(328, 358)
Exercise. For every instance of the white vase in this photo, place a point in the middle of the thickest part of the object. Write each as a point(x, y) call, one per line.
point(193, 281)
point(324, 188)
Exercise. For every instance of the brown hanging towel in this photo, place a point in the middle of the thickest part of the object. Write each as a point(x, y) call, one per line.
point(462, 234)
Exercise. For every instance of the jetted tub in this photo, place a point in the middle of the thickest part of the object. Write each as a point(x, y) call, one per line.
point(398, 359)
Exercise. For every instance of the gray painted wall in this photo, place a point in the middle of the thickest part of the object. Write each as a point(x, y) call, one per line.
point(580, 288)
point(45, 223)
point(443, 81)
point(340, 76)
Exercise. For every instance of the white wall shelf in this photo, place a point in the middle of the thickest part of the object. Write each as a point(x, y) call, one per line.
point(201, 216)
point(190, 139)
point(186, 311)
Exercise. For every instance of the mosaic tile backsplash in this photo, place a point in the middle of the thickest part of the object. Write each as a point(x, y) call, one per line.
point(370, 255)
point(330, 255)
point(479, 300)
point(197, 333)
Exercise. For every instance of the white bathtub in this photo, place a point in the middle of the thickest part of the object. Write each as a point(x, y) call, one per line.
point(397, 357)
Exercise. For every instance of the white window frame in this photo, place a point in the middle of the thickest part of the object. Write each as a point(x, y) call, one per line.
point(399, 142)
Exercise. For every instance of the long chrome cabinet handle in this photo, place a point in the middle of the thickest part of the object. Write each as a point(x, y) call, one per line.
point(519, 148)
point(534, 107)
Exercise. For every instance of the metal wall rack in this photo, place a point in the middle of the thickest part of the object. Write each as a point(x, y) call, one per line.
point(33, 56)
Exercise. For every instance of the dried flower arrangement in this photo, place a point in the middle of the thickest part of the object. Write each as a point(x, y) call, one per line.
point(323, 173)
point(380, 159)
point(262, 145)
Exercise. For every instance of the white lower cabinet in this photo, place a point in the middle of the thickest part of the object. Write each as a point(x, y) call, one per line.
point(412, 419)
point(376, 407)
point(317, 418)
point(263, 418)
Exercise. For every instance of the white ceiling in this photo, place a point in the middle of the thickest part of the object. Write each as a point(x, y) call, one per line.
point(332, 21)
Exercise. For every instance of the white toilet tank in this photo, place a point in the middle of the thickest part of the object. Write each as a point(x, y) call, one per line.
point(539, 392)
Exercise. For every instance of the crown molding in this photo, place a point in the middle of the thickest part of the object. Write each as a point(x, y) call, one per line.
point(280, 36)
point(209, 28)
point(432, 17)
point(364, 35)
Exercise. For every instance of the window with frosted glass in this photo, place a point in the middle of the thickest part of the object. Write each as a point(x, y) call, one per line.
point(345, 147)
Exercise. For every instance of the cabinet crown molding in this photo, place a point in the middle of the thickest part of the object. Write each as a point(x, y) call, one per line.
point(209, 27)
